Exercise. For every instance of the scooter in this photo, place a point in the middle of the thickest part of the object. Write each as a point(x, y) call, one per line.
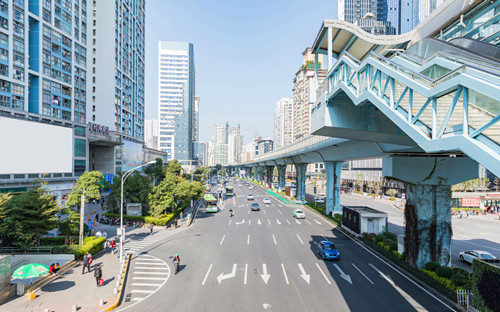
point(231, 213)
point(176, 266)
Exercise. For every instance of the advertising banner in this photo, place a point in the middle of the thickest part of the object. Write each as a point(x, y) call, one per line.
point(471, 202)
point(131, 155)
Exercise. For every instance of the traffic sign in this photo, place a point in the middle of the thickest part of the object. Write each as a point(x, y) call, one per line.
point(91, 225)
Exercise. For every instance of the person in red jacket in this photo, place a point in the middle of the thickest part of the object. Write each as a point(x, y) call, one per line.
point(51, 269)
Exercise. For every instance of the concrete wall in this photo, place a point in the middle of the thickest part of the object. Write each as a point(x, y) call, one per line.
point(6, 290)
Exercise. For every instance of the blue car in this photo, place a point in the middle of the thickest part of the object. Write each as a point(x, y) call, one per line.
point(328, 251)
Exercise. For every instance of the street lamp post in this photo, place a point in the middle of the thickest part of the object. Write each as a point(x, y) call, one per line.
point(122, 232)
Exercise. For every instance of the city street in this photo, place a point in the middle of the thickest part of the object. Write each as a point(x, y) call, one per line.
point(266, 260)
point(472, 233)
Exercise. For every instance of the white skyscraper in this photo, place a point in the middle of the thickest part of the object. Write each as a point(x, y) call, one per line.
point(176, 84)
point(234, 148)
point(151, 138)
point(283, 123)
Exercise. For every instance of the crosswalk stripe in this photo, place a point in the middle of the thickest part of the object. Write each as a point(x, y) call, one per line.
point(142, 291)
point(149, 263)
point(149, 268)
point(159, 273)
point(150, 278)
point(146, 284)
point(138, 299)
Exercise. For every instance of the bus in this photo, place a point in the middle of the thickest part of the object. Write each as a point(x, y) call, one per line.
point(229, 191)
point(210, 203)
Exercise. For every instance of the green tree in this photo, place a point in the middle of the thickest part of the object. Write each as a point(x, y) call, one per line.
point(173, 167)
point(4, 200)
point(201, 173)
point(360, 180)
point(162, 197)
point(187, 191)
point(155, 171)
point(136, 189)
point(71, 225)
point(88, 186)
point(29, 215)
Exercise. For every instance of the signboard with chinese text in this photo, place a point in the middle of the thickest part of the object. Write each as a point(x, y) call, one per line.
point(471, 202)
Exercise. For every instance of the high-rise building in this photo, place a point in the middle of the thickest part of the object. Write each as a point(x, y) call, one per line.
point(303, 86)
point(425, 7)
point(234, 148)
point(43, 84)
point(151, 138)
point(403, 15)
point(220, 134)
point(176, 89)
point(264, 146)
point(220, 154)
point(283, 123)
point(196, 119)
point(116, 62)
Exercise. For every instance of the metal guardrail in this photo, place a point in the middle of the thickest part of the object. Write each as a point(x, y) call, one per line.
point(30, 250)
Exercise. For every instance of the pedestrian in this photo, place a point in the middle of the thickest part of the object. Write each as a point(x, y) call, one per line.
point(113, 245)
point(104, 234)
point(94, 201)
point(52, 268)
point(97, 218)
point(151, 228)
point(461, 214)
point(86, 263)
point(57, 268)
point(98, 275)
point(467, 213)
point(175, 222)
point(181, 215)
point(106, 246)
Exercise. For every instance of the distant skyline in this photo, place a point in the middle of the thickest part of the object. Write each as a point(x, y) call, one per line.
point(246, 55)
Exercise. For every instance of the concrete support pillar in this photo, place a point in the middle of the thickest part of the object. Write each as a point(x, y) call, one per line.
point(256, 173)
point(269, 174)
point(301, 180)
point(262, 173)
point(281, 177)
point(333, 170)
point(330, 49)
point(428, 224)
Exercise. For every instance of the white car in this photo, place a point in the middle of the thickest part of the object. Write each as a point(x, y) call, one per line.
point(250, 197)
point(299, 214)
point(319, 200)
point(267, 201)
point(250, 187)
point(469, 256)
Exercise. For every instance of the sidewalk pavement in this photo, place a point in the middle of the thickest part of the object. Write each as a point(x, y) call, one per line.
point(73, 288)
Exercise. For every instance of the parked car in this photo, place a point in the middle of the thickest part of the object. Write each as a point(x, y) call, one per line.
point(255, 207)
point(299, 214)
point(250, 197)
point(319, 200)
point(298, 202)
point(250, 187)
point(469, 256)
point(267, 201)
point(328, 251)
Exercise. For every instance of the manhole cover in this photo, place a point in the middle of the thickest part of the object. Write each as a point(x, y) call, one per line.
point(255, 271)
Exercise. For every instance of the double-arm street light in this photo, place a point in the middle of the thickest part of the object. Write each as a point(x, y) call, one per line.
point(122, 231)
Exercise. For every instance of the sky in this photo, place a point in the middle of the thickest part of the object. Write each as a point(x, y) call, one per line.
point(246, 55)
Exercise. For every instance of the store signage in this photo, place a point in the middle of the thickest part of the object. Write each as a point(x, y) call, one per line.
point(95, 128)
point(471, 202)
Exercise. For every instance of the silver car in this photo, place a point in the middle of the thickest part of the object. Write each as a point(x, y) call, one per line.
point(469, 256)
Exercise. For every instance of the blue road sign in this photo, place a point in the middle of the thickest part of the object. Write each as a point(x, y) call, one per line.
point(91, 225)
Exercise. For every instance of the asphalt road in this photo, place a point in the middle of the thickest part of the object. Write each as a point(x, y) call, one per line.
point(267, 260)
point(472, 233)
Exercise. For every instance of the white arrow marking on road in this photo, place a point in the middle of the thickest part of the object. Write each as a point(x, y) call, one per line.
point(308, 222)
point(222, 277)
point(386, 277)
point(269, 221)
point(206, 275)
point(284, 273)
point(246, 270)
point(248, 239)
point(317, 221)
point(274, 238)
point(279, 211)
point(300, 239)
point(303, 274)
point(241, 206)
point(222, 240)
point(287, 221)
point(258, 222)
point(278, 221)
point(264, 274)
point(298, 222)
point(344, 276)
point(327, 280)
point(230, 222)
point(362, 273)
point(242, 221)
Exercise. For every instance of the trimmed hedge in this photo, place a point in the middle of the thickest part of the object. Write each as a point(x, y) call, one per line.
point(485, 286)
point(52, 241)
point(91, 244)
point(432, 266)
point(444, 271)
point(442, 280)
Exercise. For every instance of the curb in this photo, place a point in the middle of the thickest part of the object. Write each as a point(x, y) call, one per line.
point(122, 285)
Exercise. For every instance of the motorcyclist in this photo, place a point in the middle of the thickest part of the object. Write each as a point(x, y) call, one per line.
point(177, 261)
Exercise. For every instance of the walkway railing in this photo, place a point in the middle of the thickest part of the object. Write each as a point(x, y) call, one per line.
point(30, 250)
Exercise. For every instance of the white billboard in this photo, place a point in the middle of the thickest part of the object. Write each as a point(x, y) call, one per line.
point(33, 147)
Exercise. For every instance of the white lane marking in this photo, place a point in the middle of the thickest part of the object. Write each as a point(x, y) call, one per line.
point(140, 291)
point(327, 280)
point(258, 222)
point(362, 273)
point(149, 263)
point(280, 205)
point(264, 274)
point(222, 276)
point(317, 222)
point(342, 274)
point(206, 275)
point(300, 239)
point(308, 222)
point(246, 271)
point(157, 273)
point(303, 274)
point(149, 278)
point(248, 211)
point(138, 299)
point(229, 222)
point(222, 240)
point(278, 221)
point(405, 295)
point(146, 284)
point(284, 273)
point(279, 211)
point(324, 237)
point(249, 221)
point(287, 221)
point(264, 212)
point(274, 238)
point(298, 222)
point(269, 221)
point(242, 221)
point(248, 239)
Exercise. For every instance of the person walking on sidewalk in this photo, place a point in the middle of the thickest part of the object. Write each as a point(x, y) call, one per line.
point(98, 275)
point(86, 263)
point(182, 214)
point(151, 228)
